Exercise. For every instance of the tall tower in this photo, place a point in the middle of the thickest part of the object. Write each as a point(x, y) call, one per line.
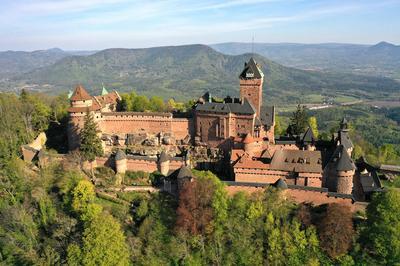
point(251, 82)
point(81, 102)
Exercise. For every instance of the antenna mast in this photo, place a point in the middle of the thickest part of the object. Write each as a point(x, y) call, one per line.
point(252, 45)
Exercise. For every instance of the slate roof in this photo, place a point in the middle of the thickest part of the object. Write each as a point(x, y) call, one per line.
point(251, 70)
point(267, 114)
point(308, 136)
point(280, 184)
point(80, 94)
point(244, 108)
point(345, 140)
point(163, 157)
point(342, 160)
point(120, 155)
point(183, 172)
point(299, 161)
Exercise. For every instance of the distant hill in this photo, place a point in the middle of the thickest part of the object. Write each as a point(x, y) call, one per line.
point(17, 62)
point(188, 71)
point(380, 59)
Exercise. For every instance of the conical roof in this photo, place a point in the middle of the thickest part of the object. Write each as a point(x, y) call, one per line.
point(80, 94)
point(248, 139)
point(308, 135)
point(281, 184)
point(120, 155)
point(184, 172)
point(344, 162)
point(104, 91)
point(344, 123)
point(164, 157)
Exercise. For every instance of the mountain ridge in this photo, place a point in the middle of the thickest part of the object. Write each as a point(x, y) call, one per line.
point(188, 71)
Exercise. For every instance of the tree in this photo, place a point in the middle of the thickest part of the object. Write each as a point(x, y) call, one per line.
point(83, 196)
point(103, 244)
point(381, 235)
point(298, 121)
point(312, 122)
point(195, 213)
point(90, 146)
point(336, 230)
point(157, 104)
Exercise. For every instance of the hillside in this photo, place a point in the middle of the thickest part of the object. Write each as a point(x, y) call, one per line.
point(380, 59)
point(185, 72)
point(14, 63)
point(17, 62)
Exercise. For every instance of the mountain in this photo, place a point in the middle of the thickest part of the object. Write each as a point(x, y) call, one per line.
point(186, 72)
point(380, 59)
point(18, 62)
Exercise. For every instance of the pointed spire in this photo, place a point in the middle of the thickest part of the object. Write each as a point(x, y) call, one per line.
point(344, 124)
point(163, 157)
point(120, 155)
point(309, 136)
point(281, 184)
point(251, 70)
point(80, 94)
point(103, 91)
point(184, 172)
point(344, 163)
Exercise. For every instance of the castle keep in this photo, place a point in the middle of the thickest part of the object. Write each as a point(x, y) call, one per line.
point(241, 128)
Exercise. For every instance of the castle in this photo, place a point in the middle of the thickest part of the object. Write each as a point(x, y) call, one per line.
point(311, 169)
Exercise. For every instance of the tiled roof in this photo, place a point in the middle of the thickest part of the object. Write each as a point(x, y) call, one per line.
point(80, 94)
point(109, 98)
point(94, 107)
point(297, 160)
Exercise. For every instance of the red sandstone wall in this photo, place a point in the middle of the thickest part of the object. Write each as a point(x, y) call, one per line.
point(298, 196)
point(314, 197)
point(251, 89)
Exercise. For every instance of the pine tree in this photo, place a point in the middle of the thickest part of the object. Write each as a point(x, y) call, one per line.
point(90, 143)
point(298, 121)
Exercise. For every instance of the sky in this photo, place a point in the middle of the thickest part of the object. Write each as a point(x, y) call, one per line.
point(99, 24)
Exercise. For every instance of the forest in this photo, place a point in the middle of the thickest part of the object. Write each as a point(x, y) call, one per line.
point(55, 216)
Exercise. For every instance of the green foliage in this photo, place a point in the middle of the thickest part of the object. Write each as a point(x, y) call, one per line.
point(90, 143)
point(312, 122)
point(382, 232)
point(83, 196)
point(298, 121)
point(103, 243)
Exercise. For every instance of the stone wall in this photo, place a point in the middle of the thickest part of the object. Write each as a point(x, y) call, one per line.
point(251, 89)
point(298, 195)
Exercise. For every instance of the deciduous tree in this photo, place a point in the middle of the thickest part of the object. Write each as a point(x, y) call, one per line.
point(336, 230)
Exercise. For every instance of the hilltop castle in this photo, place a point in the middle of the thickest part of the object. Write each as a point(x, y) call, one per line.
point(310, 169)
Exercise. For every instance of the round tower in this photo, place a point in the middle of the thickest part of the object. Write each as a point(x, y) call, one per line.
point(163, 163)
point(120, 162)
point(249, 144)
point(345, 170)
point(344, 183)
point(81, 102)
